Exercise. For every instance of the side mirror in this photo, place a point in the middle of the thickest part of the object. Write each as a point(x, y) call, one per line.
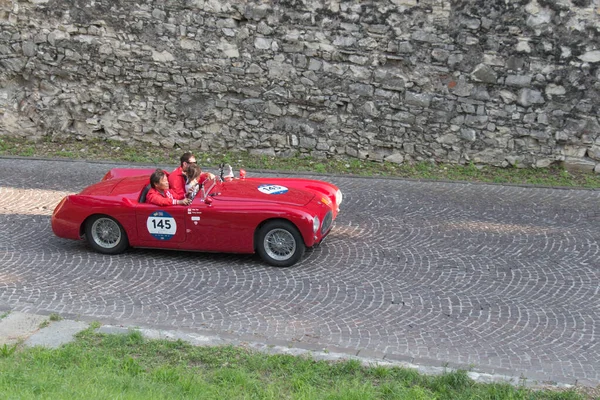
point(242, 174)
point(208, 200)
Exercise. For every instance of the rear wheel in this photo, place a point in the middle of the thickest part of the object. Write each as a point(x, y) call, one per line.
point(106, 235)
point(280, 244)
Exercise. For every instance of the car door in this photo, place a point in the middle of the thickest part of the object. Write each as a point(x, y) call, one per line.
point(220, 227)
point(162, 227)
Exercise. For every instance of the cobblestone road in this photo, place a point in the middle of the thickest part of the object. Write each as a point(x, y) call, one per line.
point(505, 279)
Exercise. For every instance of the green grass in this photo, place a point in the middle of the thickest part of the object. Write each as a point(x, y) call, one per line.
point(145, 153)
point(97, 366)
point(7, 350)
point(55, 317)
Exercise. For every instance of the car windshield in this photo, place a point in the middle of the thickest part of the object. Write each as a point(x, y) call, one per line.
point(206, 188)
point(225, 174)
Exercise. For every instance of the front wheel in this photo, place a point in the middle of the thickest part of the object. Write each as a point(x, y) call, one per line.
point(280, 244)
point(106, 235)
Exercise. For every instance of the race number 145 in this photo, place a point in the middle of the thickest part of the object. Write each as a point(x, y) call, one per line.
point(161, 225)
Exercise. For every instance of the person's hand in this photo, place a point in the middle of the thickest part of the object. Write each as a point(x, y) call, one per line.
point(210, 175)
point(184, 202)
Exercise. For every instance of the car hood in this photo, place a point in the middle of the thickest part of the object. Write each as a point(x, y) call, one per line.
point(260, 190)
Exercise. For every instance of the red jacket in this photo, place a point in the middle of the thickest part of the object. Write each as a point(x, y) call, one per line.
point(160, 199)
point(177, 182)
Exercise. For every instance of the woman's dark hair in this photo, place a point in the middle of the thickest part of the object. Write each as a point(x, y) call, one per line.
point(193, 171)
point(156, 177)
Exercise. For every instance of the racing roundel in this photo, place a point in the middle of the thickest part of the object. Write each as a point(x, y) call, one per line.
point(161, 225)
point(272, 189)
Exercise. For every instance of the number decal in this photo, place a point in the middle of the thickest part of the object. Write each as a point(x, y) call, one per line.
point(272, 189)
point(161, 225)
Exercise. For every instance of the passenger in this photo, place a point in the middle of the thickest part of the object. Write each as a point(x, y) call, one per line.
point(160, 194)
point(178, 179)
point(192, 186)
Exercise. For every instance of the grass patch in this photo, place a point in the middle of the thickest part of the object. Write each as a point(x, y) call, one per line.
point(7, 350)
point(55, 317)
point(144, 153)
point(98, 366)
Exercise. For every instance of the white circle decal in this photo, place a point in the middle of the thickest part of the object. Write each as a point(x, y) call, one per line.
point(272, 189)
point(161, 225)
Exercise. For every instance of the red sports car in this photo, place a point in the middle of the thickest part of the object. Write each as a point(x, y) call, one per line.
point(278, 218)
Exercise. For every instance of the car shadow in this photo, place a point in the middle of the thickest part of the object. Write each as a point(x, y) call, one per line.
point(198, 257)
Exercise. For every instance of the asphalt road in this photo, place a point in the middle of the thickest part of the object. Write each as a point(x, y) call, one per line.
point(497, 278)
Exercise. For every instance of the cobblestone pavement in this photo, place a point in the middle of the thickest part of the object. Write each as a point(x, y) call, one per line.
point(503, 279)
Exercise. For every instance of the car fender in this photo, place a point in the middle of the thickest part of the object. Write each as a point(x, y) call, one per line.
point(299, 217)
point(71, 214)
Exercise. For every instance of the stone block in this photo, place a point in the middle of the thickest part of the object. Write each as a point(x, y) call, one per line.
point(579, 164)
point(262, 152)
point(476, 121)
point(417, 99)
point(361, 89)
point(440, 55)
point(29, 49)
point(447, 139)
point(396, 158)
point(528, 97)
point(590, 56)
point(594, 153)
point(544, 163)
point(518, 80)
point(484, 73)
point(263, 43)
point(555, 90)
point(404, 116)
point(574, 151)
point(469, 135)
point(424, 36)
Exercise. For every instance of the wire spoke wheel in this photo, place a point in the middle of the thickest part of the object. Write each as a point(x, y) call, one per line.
point(280, 244)
point(106, 235)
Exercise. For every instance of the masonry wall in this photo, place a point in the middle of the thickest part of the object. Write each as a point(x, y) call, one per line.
point(494, 82)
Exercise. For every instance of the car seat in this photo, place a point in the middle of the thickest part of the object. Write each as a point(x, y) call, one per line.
point(144, 193)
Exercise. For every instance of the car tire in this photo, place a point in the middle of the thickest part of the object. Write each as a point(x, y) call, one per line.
point(106, 235)
point(279, 243)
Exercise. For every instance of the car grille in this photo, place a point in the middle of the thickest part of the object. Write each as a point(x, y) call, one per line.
point(326, 222)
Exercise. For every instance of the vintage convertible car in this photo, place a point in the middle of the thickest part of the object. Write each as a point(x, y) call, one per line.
point(278, 218)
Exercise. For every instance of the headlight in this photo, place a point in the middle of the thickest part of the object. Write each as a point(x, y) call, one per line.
point(316, 224)
point(338, 197)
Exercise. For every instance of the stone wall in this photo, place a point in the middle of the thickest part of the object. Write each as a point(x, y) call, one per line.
point(496, 82)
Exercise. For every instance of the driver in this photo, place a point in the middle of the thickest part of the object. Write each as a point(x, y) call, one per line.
point(178, 178)
point(160, 194)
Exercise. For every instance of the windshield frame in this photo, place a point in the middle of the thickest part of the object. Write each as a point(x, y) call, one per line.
point(207, 186)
